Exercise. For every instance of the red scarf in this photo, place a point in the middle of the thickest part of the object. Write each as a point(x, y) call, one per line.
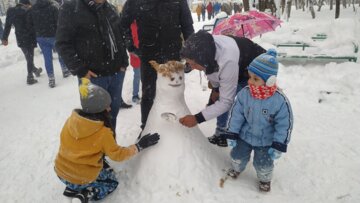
point(262, 92)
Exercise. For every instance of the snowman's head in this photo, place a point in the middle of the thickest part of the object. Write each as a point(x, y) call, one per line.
point(170, 73)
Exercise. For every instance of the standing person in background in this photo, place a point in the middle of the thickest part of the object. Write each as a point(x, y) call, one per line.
point(162, 26)
point(209, 9)
point(25, 36)
point(198, 11)
point(135, 63)
point(43, 19)
point(203, 11)
point(217, 7)
point(90, 41)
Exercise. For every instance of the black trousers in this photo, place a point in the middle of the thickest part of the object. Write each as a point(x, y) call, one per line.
point(29, 56)
point(148, 80)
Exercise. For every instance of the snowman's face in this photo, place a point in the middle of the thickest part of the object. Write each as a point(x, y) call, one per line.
point(170, 73)
point(175, 79)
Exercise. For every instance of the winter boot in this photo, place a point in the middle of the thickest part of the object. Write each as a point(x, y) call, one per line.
point(30, 80)
point(52, 82)
point(136, 99)
point(37, 71)
point(232, 173)
point(66, 73)
point(81, 197)
point(70, 192)
point(264, 186)
point(125, 105)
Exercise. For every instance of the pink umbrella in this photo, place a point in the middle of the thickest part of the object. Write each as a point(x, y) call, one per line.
point(249, 24)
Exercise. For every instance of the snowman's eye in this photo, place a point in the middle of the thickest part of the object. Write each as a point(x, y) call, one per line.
point(180, 77)
point(172, 79)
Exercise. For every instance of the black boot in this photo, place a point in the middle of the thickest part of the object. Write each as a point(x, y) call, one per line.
point(30, 80)
point(52, 82)
point(125, 105)
point(66, 73)
point(37, 71)
point(265, 186)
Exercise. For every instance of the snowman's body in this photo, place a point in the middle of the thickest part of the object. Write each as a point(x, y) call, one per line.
point(183, 161)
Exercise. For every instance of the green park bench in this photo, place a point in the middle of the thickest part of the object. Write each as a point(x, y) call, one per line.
point(314, 57)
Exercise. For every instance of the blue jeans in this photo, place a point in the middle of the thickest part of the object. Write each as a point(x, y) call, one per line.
point(221, 120)
point(113, 84)
point(262, 162)
point(47, 45)
point(136, 82)
point(104, 184)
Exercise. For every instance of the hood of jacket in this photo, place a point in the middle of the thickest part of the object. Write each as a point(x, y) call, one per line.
point(80, 127)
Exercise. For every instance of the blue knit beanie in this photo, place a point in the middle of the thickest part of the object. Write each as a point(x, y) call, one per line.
point(266, 67)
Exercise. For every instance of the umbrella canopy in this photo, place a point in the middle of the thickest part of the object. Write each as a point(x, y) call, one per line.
point(249, 24)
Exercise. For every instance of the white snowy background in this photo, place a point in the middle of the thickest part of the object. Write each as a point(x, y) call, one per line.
point(322, 163)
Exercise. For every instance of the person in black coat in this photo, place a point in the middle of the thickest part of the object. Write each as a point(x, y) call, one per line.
point(162, 26)
point(90, 41)
point(43, 17)
point(25, 37)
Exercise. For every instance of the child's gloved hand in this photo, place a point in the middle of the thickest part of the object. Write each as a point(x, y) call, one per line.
point(274, 154)
point(147, 141)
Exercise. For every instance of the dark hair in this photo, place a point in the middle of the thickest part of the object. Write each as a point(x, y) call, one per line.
point(26, 2)
point(200, 47)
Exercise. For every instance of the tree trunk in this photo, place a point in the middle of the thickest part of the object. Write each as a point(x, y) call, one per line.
point(296, 5)
point(353, 3)
point(288, 9)
point(321, 2)
point(344, 3)
point(331, 4)
point(282, 6)
point(262, 4)
point(311, 8)
point(246, 5)
point(337, 9)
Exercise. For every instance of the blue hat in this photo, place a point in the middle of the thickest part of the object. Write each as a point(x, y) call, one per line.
point(266, 67)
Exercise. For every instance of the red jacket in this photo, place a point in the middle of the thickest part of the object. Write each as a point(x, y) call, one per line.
point(134, 60)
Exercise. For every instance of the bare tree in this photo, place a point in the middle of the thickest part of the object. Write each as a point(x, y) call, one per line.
point(344, 3)
point(337, 9)
point(288, 9)
point(282, 6)
point(331, 4)
point(311, 8)
point(321, 3)
point(246, 5)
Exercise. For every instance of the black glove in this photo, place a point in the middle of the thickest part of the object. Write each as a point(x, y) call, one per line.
point(147, 141)
point(229, 135)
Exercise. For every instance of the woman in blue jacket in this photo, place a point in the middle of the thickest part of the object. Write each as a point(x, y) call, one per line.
point(261, 120)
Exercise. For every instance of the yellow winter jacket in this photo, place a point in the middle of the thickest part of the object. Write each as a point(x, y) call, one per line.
point(83, 142)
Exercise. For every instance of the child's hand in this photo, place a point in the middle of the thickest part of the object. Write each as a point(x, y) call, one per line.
point(274, 154)
point(147, 141)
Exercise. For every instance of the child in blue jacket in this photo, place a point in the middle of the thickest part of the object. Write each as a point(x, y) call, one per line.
point(261, 119)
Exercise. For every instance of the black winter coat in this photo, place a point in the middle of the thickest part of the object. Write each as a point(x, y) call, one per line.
point(17, 16)
point(160, 25)
point(81, 44)
point(43, 17)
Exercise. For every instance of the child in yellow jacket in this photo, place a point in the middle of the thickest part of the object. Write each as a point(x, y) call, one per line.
point(85, 139)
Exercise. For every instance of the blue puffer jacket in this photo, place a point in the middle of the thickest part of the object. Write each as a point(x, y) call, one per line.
point(259, 122)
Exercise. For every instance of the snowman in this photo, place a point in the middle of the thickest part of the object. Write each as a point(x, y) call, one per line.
point(183, 163)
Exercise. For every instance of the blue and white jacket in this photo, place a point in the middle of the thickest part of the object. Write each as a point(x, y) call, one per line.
point(262, 122)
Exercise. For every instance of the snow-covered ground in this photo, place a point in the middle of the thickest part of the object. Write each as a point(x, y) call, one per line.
point(322, 163)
